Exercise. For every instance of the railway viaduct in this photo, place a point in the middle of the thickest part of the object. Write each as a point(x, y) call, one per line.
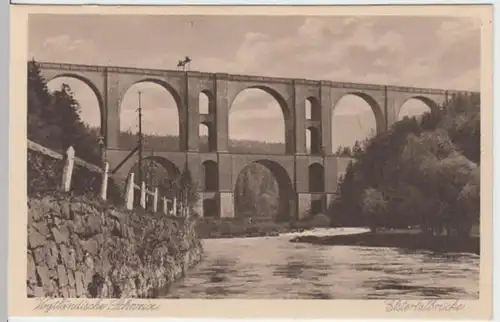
point(306, 180)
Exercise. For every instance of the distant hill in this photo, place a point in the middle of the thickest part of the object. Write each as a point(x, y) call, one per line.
point(128, 140)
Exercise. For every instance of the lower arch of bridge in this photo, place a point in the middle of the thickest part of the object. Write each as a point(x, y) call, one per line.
point(163, 181)
point(95, 91)
point(285, 113)
point(287, 196)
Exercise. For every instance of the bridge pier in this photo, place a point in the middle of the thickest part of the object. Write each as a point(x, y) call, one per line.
point(208, 204)
point(311, 204)
point(304, 200)
point(226, 200)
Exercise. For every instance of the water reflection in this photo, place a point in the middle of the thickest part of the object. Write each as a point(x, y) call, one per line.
point(274, 268)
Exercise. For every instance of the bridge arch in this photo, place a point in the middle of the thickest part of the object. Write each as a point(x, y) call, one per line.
point(172, 172)
point(165, 163)
point(313, 125)
point(207, 127)
point(355, 117)
point(89, 84)
point(206, 102)
point(286, 192)
point(261, 94)
point(271, 91)
point(162, 114)
point(157, 172)
point(374, 105)
point(164, 84)
point(313, 140)
point(432, 104)
point(417, 105)
point(312, 109)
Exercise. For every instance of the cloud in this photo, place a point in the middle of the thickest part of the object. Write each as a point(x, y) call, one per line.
point(450, 31)
point(62, 47)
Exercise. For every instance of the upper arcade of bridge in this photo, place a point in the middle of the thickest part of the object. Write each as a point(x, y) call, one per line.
point(246, 78)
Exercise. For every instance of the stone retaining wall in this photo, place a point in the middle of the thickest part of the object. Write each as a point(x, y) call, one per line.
point(82, 248)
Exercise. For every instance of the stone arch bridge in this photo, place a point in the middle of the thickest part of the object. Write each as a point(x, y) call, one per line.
point(307, 180)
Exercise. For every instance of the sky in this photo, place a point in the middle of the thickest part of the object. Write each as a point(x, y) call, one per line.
point(440, 52)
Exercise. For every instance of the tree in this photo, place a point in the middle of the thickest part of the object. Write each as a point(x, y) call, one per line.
point(188, 192)
point(420, 170)
point(374, 206)
point(346, 152)
point(38, 94)
point(468, 205)
point(357, 150)
point(54, 118)
point(40, 110)
point(256, 192)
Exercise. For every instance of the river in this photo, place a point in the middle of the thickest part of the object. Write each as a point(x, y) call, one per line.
point(275, 268)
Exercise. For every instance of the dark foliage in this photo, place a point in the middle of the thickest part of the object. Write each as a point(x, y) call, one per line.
point(54, 119)
point(419, 173)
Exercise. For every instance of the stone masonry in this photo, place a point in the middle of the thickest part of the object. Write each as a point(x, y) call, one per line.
point(79, 248)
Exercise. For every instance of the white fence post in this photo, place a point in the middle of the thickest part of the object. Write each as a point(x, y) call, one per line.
point(104, 185)
point(143, 195)
point(129, 197)
point(165, 205)
point(155, 200)
point(68, 169)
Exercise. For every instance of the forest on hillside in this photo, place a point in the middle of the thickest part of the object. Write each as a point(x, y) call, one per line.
point(420, 173)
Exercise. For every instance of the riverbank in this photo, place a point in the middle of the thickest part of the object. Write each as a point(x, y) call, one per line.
point(208, 228)
point(407, 239)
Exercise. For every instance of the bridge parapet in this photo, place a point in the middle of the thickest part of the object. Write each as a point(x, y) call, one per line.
point(417, 90)
point(198, 74)
point(221, 76)
point(72, 67)
point(309, 82)
point(141, 71)
point(356, 86)
point(263, 79)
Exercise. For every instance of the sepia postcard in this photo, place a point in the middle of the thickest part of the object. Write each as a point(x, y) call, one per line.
point(248, 162)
